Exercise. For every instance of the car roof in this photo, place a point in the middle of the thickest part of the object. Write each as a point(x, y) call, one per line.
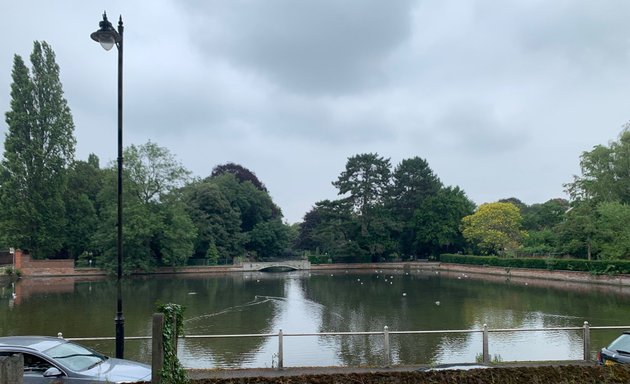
point(38, 343)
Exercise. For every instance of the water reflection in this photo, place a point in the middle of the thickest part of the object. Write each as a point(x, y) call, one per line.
point(302, 302)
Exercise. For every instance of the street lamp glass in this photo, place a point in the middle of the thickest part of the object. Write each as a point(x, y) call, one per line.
point(107, 43)
point(106, 35)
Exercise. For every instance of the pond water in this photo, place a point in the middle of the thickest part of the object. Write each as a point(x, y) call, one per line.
point(333, 301)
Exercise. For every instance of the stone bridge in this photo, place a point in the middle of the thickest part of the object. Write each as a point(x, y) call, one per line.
point(276, 266)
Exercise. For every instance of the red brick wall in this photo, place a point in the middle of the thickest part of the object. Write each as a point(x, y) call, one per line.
point(30, 267)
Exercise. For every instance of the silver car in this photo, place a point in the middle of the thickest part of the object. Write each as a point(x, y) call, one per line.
point(59, 361)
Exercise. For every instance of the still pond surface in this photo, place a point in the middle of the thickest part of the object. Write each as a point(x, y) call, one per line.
point(337, 301)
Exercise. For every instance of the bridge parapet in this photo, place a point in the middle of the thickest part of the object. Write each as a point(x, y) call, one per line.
point(283, 264)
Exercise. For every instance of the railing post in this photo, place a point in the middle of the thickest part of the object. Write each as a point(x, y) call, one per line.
point(157, 348)
point(587, 342)
point(280, 351)
point(12, 369)
point(386, 346)
point(486, 353)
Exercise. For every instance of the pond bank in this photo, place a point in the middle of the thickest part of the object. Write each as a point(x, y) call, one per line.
point(513, 274)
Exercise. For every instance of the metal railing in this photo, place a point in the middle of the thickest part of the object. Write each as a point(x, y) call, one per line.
point(386, 333)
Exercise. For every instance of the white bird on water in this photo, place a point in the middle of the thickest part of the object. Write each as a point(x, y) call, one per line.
point(437, 302)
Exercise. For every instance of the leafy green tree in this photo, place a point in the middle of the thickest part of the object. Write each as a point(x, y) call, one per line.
point(540, 242)
point(217, 221)
point(212, 255)
point(235, 215)
point(173, 242)
point(269, 239)
point(516, 202)
point(495, 228)
point(540, 221)
point(84, 183)
point(544, 216)
point(613, 231)
point(38, 149)
point(139, 225)
point(605, 172)
point(365, 181)
point(241, 173)
point(578, 230)
point(156, 226)
point(413, 182)
point(154, 171)
point(254, 205)
point(437, 222)
point(328, 228)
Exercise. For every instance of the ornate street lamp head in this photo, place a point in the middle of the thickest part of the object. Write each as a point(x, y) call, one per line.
point(106, 35)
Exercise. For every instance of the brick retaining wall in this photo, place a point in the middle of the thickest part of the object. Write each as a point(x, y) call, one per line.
point(30, 267)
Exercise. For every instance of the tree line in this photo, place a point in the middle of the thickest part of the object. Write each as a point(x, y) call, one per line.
point(55, 206)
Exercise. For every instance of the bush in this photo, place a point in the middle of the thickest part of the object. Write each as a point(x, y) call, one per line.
point(13, 271)
point(318, 258)
point(570, 374)
point(610, 267)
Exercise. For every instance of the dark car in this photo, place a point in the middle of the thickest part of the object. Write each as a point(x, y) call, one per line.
point(56, 360)
point(618, 352)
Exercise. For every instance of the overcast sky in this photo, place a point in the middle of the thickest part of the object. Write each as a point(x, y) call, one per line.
point(500, 97)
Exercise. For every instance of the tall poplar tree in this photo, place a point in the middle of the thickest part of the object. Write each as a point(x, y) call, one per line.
point(38, 149)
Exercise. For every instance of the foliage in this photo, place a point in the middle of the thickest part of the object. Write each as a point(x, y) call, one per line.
point(547, 215)
point(156, 226)
point(365, 181)
point(216, 220)
point(385, 215)
point(212, 255)
point(605, 172)
point(612, 237)
point(547, 373)
point(413, 183)
point(85, 180)
point(153, 171)
point(592, 266)
point(10, 271)
point(270, 239)
point(173, 372)
point(241, 173)
point(38, 149)
point(173, 242)
point(437, 221)
point(236, 217)
point(577, 231)
point(495, 228)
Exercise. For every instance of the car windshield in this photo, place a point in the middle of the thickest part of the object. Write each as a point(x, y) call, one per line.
point(75, 357)
point(621, 344)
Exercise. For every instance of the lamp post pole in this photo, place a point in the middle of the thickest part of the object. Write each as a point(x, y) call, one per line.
point(107, 36)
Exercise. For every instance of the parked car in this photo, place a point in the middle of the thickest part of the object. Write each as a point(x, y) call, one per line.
point(56, 360)
point(618, 352)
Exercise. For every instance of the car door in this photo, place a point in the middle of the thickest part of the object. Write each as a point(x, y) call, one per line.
point(34, 368)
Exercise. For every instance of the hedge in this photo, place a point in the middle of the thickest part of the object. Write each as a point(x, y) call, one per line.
point(592, 266)
point(570, 374)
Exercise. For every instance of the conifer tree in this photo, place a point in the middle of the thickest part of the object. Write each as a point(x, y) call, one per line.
point(38, 149)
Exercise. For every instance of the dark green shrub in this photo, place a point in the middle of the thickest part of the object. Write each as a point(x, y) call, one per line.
point(593, 266)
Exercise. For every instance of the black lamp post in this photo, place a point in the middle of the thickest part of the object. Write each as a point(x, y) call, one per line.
point(107, 36)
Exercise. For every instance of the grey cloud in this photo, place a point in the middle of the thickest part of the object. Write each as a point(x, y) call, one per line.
point(584, 33)
point(473, 128)
point(323, 47)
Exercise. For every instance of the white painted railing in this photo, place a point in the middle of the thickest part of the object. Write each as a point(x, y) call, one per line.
point(386, 333)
